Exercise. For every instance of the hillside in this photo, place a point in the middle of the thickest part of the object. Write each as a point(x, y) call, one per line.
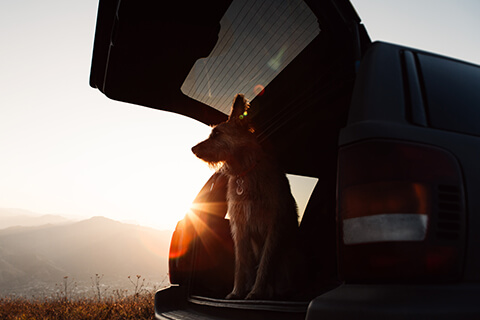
point(34, 259)
point(18, 217)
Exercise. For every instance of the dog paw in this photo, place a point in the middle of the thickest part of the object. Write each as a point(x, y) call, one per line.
point(233, 296)
point(254, 296)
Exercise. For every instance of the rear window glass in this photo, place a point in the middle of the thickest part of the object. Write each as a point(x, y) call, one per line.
point(452, 91)
point(257, 40)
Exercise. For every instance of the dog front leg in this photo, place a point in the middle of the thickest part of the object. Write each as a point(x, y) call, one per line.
point(244, 268)
point(259, 290)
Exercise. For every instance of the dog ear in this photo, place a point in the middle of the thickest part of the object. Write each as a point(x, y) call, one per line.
point(239, 109)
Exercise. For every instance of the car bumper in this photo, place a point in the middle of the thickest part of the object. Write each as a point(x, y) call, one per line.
point(393, 302)
point(448, 301)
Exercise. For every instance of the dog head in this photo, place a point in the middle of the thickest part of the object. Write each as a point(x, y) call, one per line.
point(231, 142)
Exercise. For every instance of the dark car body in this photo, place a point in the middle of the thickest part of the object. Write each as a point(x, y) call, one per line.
point(391, 134)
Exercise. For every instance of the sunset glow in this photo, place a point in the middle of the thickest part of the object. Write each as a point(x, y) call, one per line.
point(69, 150)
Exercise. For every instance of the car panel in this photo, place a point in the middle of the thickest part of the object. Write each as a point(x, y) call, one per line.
point(144, 49)
point(378, 94)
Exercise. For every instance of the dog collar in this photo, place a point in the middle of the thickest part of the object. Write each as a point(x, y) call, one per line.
point(240, 189)
point(244, 173)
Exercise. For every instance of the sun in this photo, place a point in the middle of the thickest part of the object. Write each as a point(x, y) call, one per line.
point(163, 179)
point(171, 194)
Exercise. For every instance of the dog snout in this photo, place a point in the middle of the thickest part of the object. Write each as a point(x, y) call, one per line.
point(198, 150)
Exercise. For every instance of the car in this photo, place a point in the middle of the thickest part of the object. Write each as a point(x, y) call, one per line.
point(388, 134)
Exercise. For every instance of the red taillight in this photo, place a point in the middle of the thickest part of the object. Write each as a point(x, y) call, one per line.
point(385, 211)
point(400, 212)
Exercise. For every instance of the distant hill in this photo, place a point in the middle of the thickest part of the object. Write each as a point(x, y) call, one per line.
point(34, 259)
point(24, 218)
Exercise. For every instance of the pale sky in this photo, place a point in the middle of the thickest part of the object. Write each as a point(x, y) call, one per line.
point(67, 149)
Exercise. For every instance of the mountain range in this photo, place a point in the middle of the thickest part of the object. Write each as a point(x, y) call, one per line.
point(18, 217)
point(36, 260)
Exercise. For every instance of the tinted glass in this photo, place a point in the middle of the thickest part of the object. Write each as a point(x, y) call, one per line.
point(257, 40)
point(452, 91)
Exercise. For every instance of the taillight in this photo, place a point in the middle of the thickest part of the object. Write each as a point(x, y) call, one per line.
point(400, 213)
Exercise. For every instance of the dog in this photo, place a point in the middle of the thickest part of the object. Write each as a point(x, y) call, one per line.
point(263, 213)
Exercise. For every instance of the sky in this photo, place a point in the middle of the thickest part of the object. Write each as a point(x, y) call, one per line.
point(67, 149)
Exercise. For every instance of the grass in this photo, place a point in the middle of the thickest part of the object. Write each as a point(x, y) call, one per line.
point(133, 307)
point(65, 305)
